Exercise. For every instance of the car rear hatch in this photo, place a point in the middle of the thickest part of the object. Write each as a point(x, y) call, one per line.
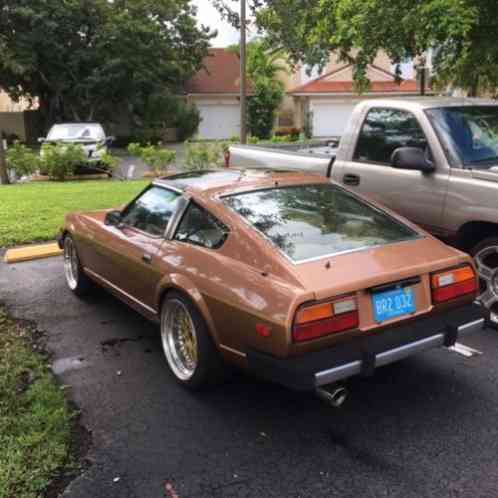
point(400, 271)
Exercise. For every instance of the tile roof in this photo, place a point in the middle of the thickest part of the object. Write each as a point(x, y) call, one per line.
point(321, 85)
point(220, 74)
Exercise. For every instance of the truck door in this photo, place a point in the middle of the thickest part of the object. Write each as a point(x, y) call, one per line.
point(418, 196)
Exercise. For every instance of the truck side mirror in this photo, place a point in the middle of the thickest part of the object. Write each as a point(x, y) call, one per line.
point(412, 158)
point(113, 218)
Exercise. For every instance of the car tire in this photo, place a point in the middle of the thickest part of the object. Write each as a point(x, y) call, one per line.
point(485, 256)
point(76, 279)
point(188, 347)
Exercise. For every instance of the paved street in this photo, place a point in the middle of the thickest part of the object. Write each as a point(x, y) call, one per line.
point(133, 168)
point(425, 427)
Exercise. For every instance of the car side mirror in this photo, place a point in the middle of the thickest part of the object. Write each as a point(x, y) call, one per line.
point(113, 218)
point(412, 158)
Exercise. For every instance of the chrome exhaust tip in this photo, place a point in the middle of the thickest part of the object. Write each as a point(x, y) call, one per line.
point(334, 395)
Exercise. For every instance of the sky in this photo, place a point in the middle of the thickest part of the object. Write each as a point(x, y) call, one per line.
point(209, 16)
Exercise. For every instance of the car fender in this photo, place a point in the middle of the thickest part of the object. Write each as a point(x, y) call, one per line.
point(183, 284)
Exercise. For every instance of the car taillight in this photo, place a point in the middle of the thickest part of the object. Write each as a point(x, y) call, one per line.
point(320, 320)
point(450, 284)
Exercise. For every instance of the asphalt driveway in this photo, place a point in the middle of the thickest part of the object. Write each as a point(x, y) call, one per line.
point(425, 427)
point(133, 168)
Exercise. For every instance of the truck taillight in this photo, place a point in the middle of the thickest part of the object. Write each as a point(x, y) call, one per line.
point(450, 284)
point(319, 320)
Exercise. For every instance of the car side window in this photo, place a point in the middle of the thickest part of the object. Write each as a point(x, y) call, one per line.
point(151, 211)
point(201, 228)
point(385, 130)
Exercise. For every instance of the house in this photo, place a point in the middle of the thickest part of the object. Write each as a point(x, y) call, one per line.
point(18, 120)
point(328, 100)
point(215, 90)
point(8, 105)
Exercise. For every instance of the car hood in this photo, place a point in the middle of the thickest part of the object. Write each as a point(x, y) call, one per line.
point(362, 269)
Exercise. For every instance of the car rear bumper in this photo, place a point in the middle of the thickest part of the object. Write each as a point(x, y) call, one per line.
point(362, 355)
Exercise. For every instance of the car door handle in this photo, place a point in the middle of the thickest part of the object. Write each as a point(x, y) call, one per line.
point(147, 258)
point(351, 179)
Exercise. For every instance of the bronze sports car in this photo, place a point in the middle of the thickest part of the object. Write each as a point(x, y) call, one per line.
point(287, 275)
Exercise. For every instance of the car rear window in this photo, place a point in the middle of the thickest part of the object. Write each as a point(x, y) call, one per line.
point(313, 221)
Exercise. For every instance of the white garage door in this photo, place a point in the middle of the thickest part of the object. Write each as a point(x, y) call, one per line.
point(219, 121)
point(330, 119)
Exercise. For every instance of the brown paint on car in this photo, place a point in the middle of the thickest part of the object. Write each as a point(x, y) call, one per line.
point(248, 281)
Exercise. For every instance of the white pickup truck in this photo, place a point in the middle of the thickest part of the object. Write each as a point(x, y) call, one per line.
point(433, 160)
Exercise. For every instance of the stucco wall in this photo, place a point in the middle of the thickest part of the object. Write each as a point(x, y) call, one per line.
point(12, 123)
point(8, 105)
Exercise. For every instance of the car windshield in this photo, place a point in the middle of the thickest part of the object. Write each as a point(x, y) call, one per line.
point(76, 131)
point(314, 221)
point(469, 133)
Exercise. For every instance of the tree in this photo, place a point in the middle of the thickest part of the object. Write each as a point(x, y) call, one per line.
point(4, 176)
point(461, 32)
point(87, 59)
point(263, 67)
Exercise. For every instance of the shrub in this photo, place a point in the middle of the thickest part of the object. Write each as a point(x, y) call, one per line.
point(61, 160)
point(283, 139)
point(292, 132)
point(253, 140)
point(187, 121)
point(308, 124)
point(156, 157)
point(262, 106)
point(109, 162)
point(161, 111)
point(22, 159)
point(203, 155)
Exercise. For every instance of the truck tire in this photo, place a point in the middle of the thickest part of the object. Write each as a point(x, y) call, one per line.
point(190, 352)
point(485, 255)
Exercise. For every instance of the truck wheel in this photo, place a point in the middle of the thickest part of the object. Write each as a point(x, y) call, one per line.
point(76, 279)
point(486, 259)
point(190, 352)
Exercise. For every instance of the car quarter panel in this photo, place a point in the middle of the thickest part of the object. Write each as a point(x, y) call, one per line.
point(232, 295)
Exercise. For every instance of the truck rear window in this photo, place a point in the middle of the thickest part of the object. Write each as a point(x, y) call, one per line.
point(313, 221)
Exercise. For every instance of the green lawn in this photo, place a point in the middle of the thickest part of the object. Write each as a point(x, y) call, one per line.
point(35, 420)
point(35, 211)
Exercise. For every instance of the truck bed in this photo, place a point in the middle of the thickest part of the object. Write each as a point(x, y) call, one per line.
point(252, 156)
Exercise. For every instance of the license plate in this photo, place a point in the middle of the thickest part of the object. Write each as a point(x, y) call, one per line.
point(393, 304)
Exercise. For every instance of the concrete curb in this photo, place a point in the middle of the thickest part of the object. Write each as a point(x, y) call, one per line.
point(30, 253)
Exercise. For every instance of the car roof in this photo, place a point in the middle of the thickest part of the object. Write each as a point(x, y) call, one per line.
point(225, 181)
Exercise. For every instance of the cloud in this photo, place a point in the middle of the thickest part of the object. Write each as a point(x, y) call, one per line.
point(209, 16)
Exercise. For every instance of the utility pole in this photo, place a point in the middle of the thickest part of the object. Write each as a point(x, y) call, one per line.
point(243, 71)
point(4, 177)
